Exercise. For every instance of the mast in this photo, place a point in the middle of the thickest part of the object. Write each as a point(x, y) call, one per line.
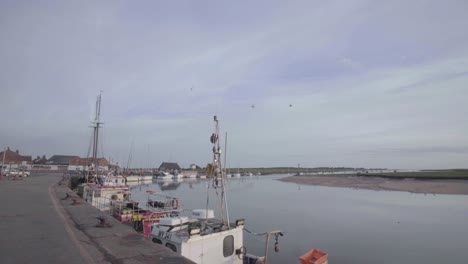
point(218, 174)
point(96, 124)
point(225, 152)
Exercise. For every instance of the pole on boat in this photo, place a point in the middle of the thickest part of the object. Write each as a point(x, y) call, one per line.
point(224, 181)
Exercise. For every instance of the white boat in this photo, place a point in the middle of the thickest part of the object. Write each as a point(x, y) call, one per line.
point(132, 178)
point(146, 178)
point(191, 176)
point(166, 175)
point(178, 176)
point(237, 175)
point(203, 239)
point(138, 183)
point(202, 177)
point(107, 190)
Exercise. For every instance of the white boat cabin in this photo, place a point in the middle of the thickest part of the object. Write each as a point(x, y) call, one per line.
point(201, 240)
point(111, 188)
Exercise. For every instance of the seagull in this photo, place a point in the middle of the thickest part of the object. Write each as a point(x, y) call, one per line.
point(290, 105)
point(253, 106)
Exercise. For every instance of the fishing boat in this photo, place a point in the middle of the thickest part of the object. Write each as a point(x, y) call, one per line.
point(157, 207)
point(105, 191)
point(200, 237)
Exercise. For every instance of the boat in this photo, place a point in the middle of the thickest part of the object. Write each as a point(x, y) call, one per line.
point(100, 188)
point(202, 238)
point(314, 257)
point(157, 207)
point(178, 176)
point(132, 178)
point(145, 178)
point(191, 176)
point(107, 190)
point(136, 177)
point(139, 183)
point(165, 175)
point(237, 175)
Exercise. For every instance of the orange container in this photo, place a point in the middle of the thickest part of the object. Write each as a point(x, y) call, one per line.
point(314, 257)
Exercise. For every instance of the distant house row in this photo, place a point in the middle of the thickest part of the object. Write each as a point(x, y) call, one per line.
point(12, 159)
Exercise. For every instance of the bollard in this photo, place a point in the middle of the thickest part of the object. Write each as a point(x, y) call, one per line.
point(66, 196)
point(75, 202)
point(103, 222)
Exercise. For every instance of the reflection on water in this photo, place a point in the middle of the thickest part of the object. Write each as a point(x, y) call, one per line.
point(353, 226)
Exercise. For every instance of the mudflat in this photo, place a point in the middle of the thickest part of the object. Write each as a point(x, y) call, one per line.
point(377, 183)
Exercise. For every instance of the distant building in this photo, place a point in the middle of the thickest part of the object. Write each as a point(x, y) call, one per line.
point(57, 163)
point(60, 160)
point(83, 164)
point(169, 167)
point(14, 160)
point(39, 160)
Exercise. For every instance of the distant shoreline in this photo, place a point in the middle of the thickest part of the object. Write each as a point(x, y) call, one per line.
point(415, 184)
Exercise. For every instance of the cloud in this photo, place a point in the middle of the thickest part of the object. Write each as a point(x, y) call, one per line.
point(361, 77)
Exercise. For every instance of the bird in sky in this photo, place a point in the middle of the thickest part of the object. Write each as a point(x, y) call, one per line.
point(253, 106)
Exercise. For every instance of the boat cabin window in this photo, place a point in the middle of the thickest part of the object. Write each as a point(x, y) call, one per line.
point(228, 246)
point(171, 247)
point(158, 241)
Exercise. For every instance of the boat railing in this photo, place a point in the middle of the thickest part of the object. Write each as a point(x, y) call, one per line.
point(104, 203)
point(158, 202)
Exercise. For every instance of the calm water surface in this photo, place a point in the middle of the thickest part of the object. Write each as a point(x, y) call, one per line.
point(353, 226)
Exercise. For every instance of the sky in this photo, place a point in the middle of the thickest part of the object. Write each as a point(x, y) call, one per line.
point(380, 84)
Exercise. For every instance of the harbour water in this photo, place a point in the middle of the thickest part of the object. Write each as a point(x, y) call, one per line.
point(353, 226)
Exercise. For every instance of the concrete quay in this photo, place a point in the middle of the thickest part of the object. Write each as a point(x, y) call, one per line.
point(38, 225)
